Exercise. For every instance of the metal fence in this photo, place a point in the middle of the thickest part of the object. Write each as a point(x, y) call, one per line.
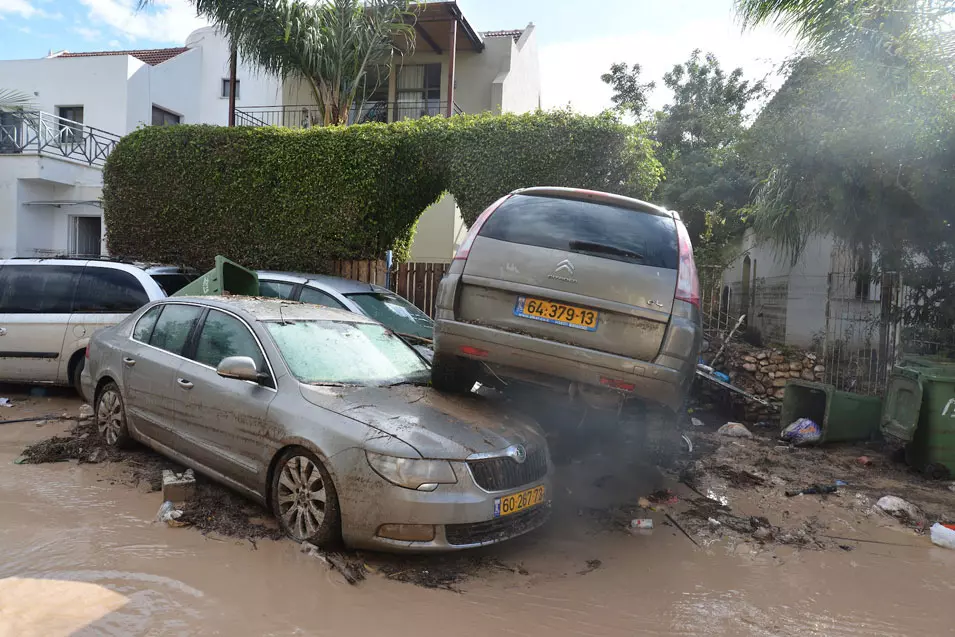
point(27, 132)
point(306, 116)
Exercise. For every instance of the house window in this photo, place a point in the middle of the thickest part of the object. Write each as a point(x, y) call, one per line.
point(418, 91)
point(863, 277)
point(162, 117)
point(70, 125)
point(86, 236)
point(225, 88)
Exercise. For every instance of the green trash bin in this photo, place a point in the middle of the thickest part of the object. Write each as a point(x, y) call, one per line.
point(920, 411)
point(842, 416)
point(227, 276)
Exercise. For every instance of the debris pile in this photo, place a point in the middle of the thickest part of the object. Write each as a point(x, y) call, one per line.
point(763, 372)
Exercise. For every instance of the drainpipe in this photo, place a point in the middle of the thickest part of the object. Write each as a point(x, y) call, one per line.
point(451, 59)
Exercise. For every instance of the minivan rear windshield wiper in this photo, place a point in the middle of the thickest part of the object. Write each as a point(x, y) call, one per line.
point(590, 246)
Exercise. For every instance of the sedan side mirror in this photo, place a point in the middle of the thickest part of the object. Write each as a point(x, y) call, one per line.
point(240, 368)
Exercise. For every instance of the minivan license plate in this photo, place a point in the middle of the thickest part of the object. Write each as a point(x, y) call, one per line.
point(556, 313)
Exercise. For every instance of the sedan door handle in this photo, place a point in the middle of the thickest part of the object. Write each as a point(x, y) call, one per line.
point(3, 331)
point(129, 362)
point(185, 384)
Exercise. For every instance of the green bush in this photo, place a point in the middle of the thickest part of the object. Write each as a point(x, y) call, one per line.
point(296, 199)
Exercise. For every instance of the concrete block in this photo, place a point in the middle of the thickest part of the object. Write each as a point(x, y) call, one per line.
point(178, 487)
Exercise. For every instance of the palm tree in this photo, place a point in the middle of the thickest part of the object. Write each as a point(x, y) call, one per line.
point(11, 100)
point(330, 45)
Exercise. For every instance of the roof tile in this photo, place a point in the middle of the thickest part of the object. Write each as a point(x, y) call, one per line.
point(152, 57)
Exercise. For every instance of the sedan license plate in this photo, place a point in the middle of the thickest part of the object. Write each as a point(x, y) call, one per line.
point(556, 313)
point(518, 501)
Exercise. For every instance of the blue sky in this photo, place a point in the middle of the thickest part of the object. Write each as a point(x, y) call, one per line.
point(578, 40)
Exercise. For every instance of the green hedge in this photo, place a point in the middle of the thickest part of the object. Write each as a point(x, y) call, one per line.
point(296, 199)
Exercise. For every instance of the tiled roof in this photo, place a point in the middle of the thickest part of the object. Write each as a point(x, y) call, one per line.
point(152, 57)
point(509, 33)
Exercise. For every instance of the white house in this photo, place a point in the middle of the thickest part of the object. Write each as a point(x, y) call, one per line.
point(51, 156)
point(453, 69)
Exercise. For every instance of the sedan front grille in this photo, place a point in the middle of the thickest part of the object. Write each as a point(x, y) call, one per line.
point(503, 473)
point(497, 529)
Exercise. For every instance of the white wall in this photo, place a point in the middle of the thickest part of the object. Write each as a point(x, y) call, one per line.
point(521, 91)
point(255, 87)
point(98, 84)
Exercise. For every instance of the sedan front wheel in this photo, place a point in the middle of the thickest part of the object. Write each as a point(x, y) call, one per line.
point(111, 417)
point(304, 499)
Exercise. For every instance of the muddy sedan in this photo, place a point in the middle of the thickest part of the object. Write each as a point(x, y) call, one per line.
point(323, 416)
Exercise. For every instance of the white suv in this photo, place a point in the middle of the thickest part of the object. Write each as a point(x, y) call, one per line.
point(49, 308)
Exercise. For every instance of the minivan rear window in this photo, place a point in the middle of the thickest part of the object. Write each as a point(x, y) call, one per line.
point(586, 227)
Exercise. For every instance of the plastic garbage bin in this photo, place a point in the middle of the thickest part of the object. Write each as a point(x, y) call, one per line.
point(843, 416)
point(227, 276)
point(920, 411)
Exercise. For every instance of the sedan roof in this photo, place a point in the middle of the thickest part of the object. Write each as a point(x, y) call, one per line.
point(340, 285)
point(256, 308)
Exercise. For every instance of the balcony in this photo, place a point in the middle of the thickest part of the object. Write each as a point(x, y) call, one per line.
point(39, 133)
point(308, 116)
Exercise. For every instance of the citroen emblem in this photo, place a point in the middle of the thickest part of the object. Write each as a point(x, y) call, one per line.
point(563, 272)
point(517, 453)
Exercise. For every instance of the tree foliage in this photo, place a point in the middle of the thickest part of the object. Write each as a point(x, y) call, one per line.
point(629, 93)
point(297, 199)
point(11, 100)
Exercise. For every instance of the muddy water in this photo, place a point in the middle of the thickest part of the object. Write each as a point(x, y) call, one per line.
point(80, 554)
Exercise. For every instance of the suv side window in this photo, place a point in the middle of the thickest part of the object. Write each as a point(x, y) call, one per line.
point(317, 297)
point(145, 324)
point(109, 291)
point(38, 289)
point(224, 335)
point(276, 289)
point(174, 326)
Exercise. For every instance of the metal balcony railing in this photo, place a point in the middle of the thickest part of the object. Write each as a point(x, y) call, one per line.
point(308, 116)
point(40, 133)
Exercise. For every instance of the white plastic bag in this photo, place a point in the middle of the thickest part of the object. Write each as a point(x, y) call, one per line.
point(943, 536)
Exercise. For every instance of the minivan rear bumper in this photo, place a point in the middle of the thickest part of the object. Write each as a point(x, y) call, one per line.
point(507, 351)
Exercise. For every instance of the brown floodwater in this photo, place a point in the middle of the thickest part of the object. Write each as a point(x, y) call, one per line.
point(80, 554)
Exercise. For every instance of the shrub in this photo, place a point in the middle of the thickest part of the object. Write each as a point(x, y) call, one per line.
point(296, 199)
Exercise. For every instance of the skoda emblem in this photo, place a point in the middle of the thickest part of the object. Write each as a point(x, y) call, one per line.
point(517, 453)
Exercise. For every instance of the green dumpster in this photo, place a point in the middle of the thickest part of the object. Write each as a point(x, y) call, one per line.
point(842, 416)
point(920, 411)
point(227, 277)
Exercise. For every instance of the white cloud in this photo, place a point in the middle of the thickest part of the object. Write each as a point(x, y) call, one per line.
point(570, 71)
point(167, 21)
point(87, 33)
point(24, 30)
point(21, 8)
point(115, 44)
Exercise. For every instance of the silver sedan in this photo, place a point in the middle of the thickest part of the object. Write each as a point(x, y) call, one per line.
point(323, 416)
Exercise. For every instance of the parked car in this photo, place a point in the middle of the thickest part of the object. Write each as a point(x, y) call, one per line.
point(50, 307)
point(580, 291)
point(375, 302)
point(325, 417)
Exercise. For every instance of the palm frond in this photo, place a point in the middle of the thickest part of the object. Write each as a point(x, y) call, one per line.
point(11, 99)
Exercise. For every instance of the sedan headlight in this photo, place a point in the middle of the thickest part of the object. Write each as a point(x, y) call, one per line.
point(423, 475)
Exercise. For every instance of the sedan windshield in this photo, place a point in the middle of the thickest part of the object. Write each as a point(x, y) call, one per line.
point(341, 353)
point(396, 314)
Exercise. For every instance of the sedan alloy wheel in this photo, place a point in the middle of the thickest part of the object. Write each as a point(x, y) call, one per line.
point(111, 417)
point(304, 498)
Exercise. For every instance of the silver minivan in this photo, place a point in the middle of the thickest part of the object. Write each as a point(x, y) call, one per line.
point(584, 292)
point(49, 308)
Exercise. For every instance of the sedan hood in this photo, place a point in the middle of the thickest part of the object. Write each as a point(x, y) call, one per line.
point(437, 425)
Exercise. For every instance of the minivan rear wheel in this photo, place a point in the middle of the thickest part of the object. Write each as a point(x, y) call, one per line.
point(453, 374)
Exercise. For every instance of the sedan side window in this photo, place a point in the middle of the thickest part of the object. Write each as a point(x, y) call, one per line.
point(317, 297)
point(173, 327)
point(224, 335)
point(276, 289)
point(145, 324)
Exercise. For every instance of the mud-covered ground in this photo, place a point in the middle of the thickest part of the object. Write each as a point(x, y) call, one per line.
point(728, 553)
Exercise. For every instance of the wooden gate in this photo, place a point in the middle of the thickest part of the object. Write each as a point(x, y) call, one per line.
point(417, 282)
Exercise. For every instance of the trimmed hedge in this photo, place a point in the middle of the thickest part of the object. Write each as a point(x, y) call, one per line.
point(297, 199)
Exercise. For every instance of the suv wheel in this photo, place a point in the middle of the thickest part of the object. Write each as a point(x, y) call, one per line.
point(453, 375)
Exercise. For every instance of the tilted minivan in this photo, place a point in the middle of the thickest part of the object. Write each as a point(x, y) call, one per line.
point(588, 293)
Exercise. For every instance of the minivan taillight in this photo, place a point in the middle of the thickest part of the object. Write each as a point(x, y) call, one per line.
point(465, 249)
point(687, 283)
point(87, 351)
